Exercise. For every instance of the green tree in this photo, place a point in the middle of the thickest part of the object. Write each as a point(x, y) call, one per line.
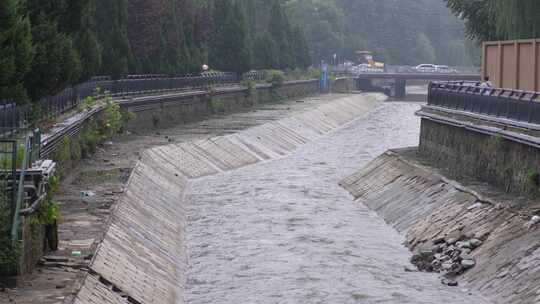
point(111, 21)
point(301, 48)
point(56, 62)
point(499, 19)
point(279, 29)
point(16, 50)
point(264, 52)
point(80, 23)
point(228, 43)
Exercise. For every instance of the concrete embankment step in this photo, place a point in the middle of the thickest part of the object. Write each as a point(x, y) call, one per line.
point(141, 258)
point(427, 207)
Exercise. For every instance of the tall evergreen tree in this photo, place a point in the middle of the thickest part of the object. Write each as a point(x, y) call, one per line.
point(80, 23)
point(15, 50)
point(265, 52)
point(111, 22)
point(301, 48)
point(228, 43)
point(279, 29)
point(56, 61)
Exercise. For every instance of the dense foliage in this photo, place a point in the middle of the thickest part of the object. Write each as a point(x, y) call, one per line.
point(47, 45)
point(499, 19)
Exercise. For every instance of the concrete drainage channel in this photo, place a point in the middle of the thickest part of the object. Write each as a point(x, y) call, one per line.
point(142, 257)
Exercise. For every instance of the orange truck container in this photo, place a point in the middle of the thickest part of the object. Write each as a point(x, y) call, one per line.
point(513, 64)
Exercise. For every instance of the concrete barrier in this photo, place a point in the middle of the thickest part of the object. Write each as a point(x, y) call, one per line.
point(173, 109)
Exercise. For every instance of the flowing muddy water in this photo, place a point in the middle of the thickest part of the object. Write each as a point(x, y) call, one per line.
point(285, 232)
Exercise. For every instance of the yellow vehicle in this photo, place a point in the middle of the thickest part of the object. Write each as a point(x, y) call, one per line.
point(366, 57)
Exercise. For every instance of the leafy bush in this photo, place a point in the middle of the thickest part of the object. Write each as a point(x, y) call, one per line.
point(251, 87)
point(276, 78)
point(112, 119)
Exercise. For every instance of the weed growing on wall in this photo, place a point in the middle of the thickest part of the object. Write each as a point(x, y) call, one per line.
point(9, 251)
point(276, 79)
point(217, 106)
point(111, 123)
point(532, 181)
point(62, 155)
point(87, 104)
point(251, 87)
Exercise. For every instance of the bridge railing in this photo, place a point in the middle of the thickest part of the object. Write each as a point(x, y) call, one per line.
point(522, 106)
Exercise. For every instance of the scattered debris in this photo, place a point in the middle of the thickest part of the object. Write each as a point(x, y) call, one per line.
point(108, 143)
point(475, 206)
point(87, 193)
point(449, 282)
point(410, 269)
point(534, 220)
point(76, 253)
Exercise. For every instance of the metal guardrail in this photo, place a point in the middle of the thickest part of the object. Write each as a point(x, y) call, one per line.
point(13, 117)
point(404, 69)
point(523, 106)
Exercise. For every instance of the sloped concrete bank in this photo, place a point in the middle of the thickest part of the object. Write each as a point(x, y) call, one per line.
point(142, 256)
point(429, 208)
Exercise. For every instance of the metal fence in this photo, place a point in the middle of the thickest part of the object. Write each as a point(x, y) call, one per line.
point(14, 117)
point(523, 106)
point(17, 154)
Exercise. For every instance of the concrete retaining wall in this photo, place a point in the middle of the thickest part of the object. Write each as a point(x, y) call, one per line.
point(426, 206)
point(142, 257)
point(174, 109)
point(509, 165)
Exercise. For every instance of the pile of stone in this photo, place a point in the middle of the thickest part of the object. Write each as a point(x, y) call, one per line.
point(450, 256)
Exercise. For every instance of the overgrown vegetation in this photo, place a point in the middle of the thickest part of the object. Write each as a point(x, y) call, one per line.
point(48, 45)
point(9, 252)
point(532, 182)
point(276, 79)
point(105, 126)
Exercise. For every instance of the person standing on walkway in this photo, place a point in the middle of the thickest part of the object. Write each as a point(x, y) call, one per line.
point(487, 84)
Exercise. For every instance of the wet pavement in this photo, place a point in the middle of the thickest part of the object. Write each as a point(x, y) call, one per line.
point(283, 231)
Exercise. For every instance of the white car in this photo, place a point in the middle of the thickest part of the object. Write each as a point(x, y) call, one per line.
point(445, 69)
point(426, 68)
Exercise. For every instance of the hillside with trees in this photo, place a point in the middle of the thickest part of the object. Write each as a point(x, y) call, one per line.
point(48, 45)
point(405, 32)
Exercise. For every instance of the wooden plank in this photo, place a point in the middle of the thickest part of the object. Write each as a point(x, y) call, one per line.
point(535, 65)
point(516, 64)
